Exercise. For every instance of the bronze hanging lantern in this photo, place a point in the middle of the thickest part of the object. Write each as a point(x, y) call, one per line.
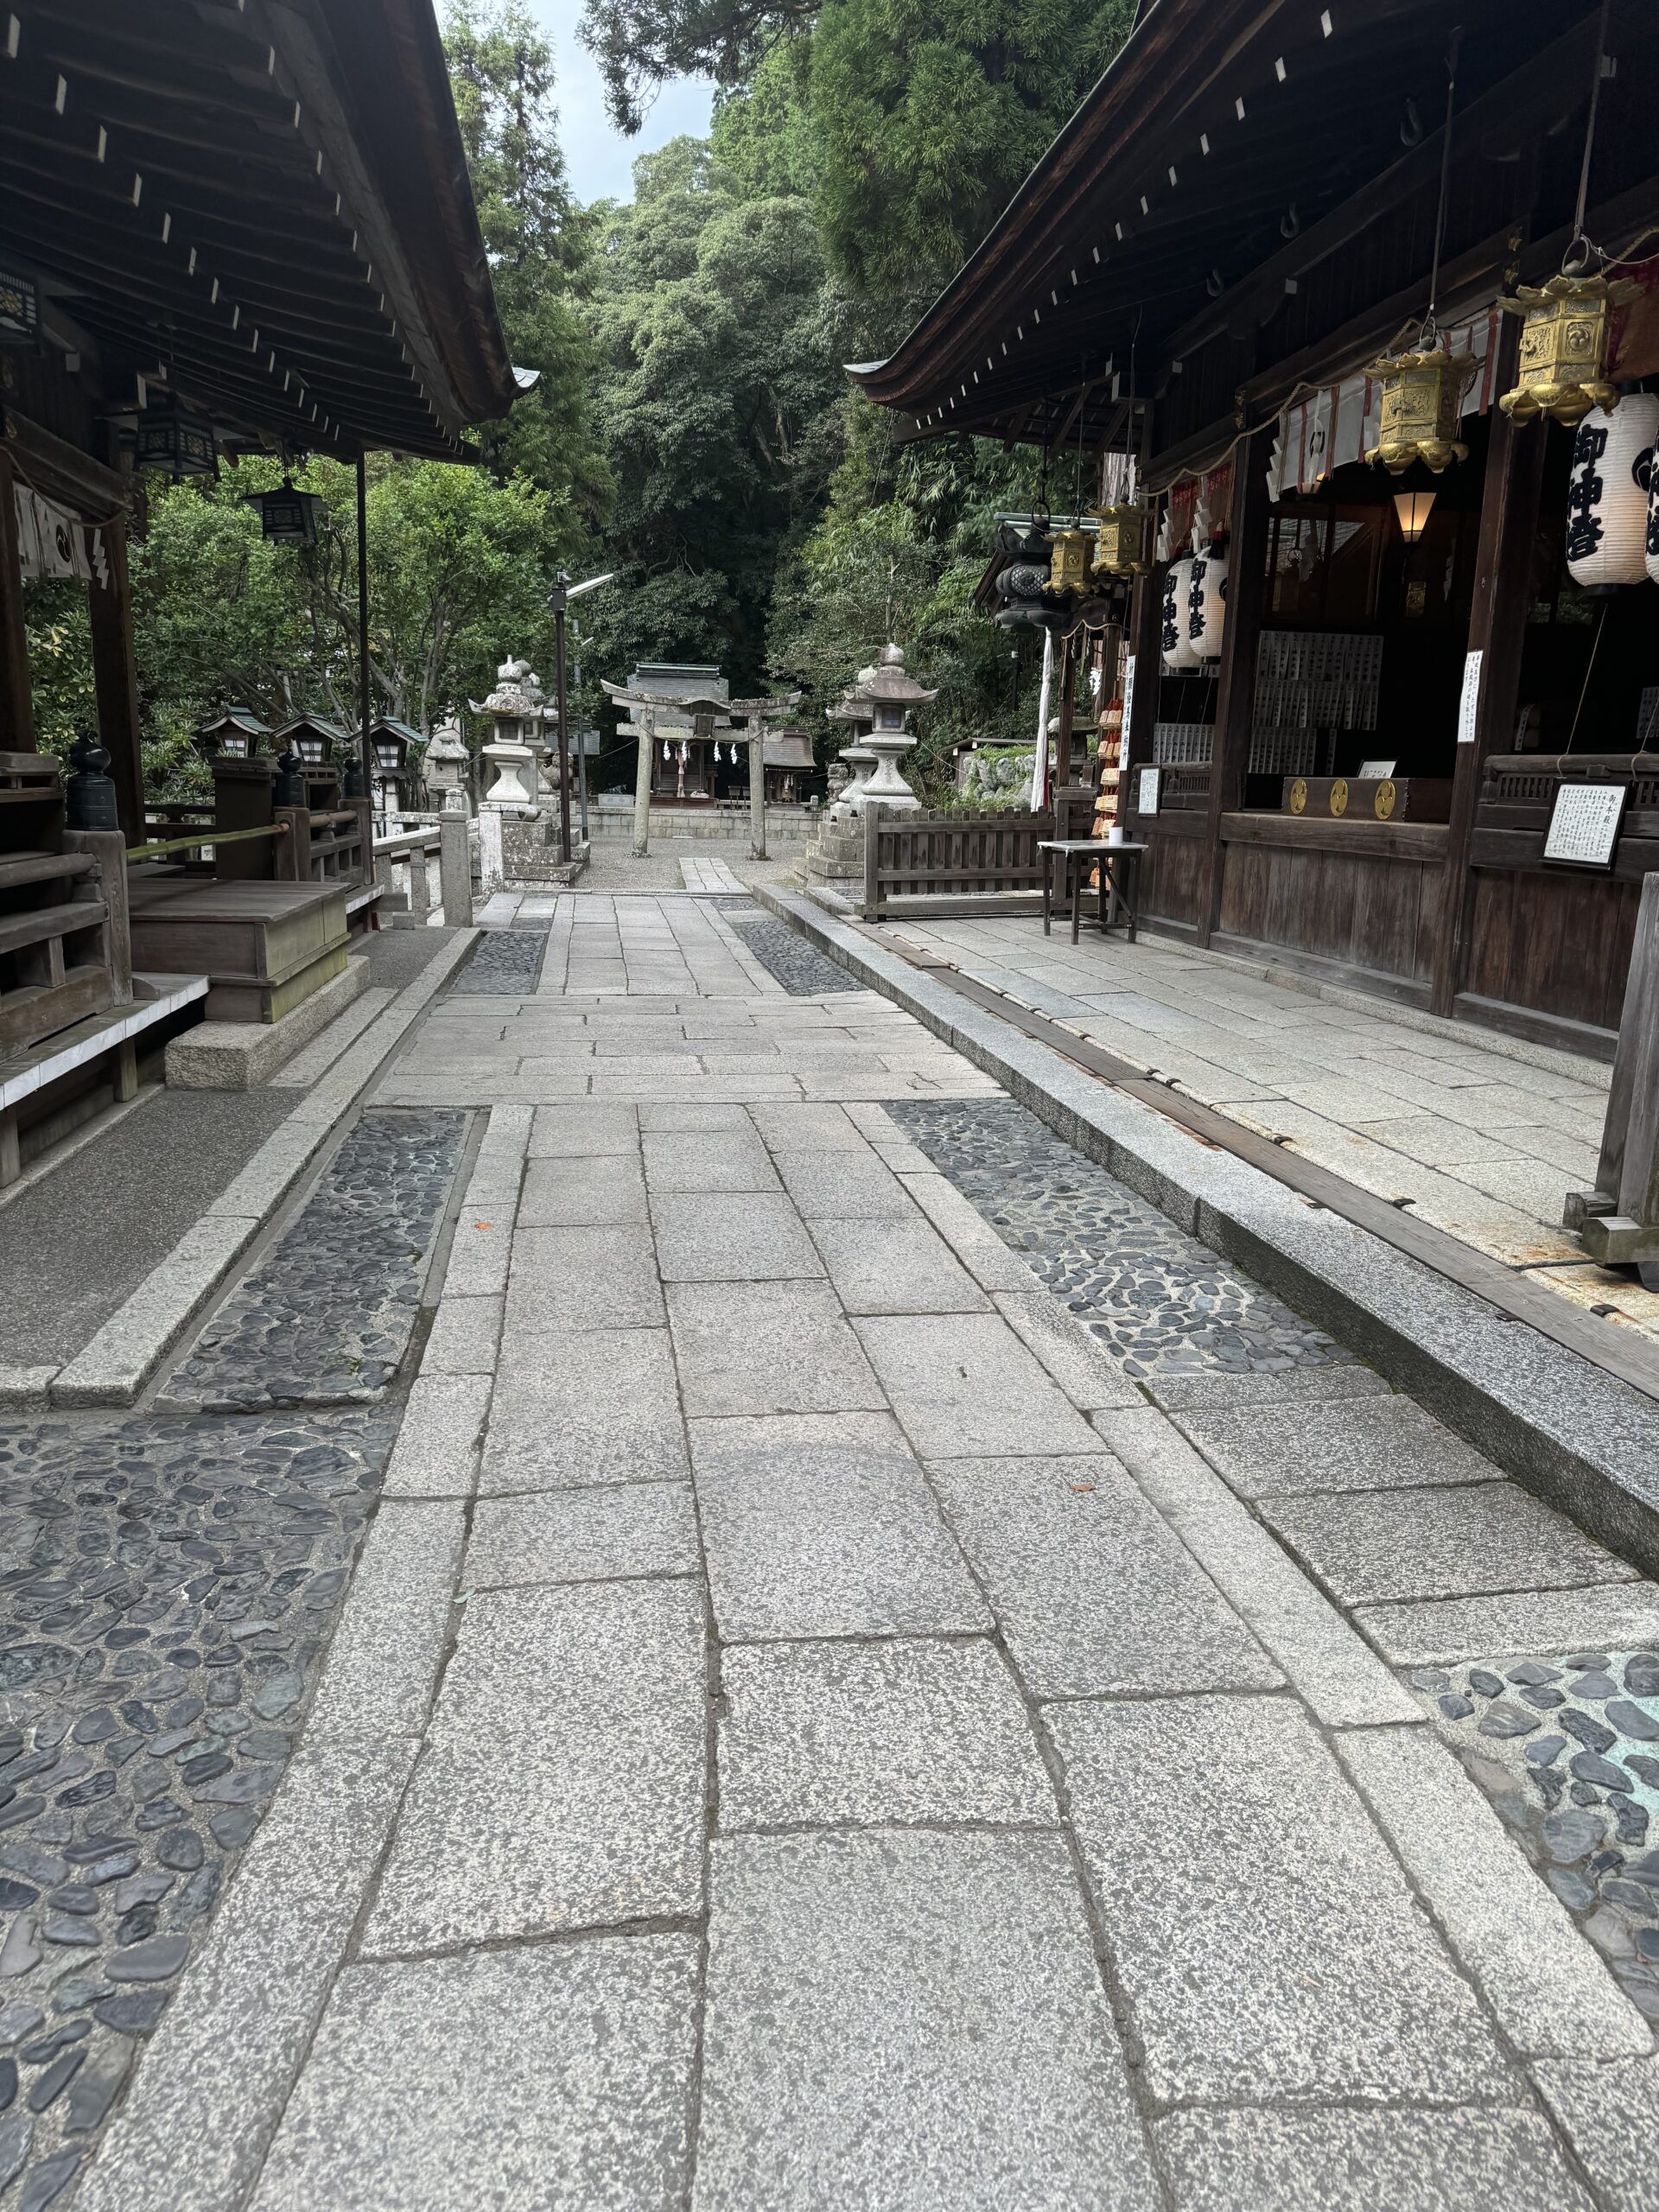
point(1123, 548)
point(1564, 346)
point(286, 517)
point(20, 311)
point(1422, 408)
point(171, 437)
point(1068, 567)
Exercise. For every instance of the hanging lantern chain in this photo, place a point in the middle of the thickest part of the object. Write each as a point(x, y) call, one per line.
point(1431, 328)
point(1577, 258)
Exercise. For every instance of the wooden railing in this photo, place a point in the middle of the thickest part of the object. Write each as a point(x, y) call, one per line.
point(919, 855)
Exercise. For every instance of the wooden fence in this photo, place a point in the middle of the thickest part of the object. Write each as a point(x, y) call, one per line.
point(963, 857)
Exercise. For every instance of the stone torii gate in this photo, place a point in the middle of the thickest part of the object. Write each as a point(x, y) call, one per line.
point(643, 709)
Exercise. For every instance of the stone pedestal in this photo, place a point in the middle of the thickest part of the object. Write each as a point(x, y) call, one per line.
point(514, 777)
point(885, 783)
point(455, 863)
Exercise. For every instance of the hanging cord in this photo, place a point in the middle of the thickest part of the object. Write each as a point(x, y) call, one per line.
point(1431, 330)
point(1579, 251)
point(1589, 670)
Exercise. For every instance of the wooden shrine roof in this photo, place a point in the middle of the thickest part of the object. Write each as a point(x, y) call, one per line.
point(1222, 137)
point(261, 204)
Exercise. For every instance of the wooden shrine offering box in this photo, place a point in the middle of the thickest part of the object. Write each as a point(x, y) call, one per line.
point(1368, 798)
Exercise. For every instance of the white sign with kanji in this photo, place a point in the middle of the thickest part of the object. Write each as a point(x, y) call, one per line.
point(1584, 827)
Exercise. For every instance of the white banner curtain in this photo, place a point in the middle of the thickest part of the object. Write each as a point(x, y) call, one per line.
point(1039, 763)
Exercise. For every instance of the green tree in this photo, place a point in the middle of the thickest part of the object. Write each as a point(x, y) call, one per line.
point(539, 245)
point(717, 395)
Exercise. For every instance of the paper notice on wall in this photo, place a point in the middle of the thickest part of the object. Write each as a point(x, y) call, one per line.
point(1148, 799)
point(1129, 691)
point(1469, 705)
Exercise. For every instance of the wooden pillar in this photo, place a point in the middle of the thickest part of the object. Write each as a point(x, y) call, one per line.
point(16, 709)
point(1230, 750)
point(115, 679)
point(1497, 625)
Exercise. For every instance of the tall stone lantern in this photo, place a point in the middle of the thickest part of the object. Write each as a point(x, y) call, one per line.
point(516, 709)
point(890, 693)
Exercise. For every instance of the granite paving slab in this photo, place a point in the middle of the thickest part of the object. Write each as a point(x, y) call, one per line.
point(847, 1734)
point(1362, 2161)
point(583, 1191)
point(913, 2020)
point(1437, 1631)
point(1367, 1443)
point(583, 1535)
point(1366, 1546)
point(713, 1159)
point(465, 1338)
point(562, 1418)
point(583, 1128)
point(565, 1280)
point(895, 1267)
point(1091, 1590)
point(730, 1236)
point(844, 1187)
point(557, 2078)
point(768, 1348)
point(592, 1697)
point(1288, 1958)
point(785, 1127)
point(1157, 1298)
point(168, 1588)
point(1609, 2114)
point(818, 1525)
point(328, 1313)
point(962, 1384)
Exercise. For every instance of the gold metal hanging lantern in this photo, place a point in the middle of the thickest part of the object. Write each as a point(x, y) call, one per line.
point(1564, 344)
point(1422, 408)
point(1565, 340)
point(1123, 547)
point(1068, 566)
point(1422, 388)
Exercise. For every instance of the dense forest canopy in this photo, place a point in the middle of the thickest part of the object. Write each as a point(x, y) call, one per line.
point(690, 426)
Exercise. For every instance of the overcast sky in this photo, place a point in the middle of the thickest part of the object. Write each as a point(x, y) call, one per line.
point(600, 161)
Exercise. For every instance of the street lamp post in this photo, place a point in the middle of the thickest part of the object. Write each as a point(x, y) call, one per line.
point(559, 599)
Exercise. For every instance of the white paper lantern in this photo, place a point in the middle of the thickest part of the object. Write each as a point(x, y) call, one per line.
point(1607, 491)
point(1179, 651)
point(1207, 603)
point(1653, 514)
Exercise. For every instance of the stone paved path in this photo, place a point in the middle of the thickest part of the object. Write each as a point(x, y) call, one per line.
point(811, 1730)
point(1479, 1134)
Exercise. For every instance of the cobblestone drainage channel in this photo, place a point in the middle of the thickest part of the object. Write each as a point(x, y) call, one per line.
point(178, 1581)
point(1155, 1298)
point(804, 971)
point(505, 963)
point(328, 1315)
point(1568, 1752)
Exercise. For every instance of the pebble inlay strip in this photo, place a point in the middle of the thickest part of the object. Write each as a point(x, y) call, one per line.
point(328, 1316)
point(505, 963)
point(804, 971)
point(168, 1588)
point(1568, 1752)
point(1160, 1301)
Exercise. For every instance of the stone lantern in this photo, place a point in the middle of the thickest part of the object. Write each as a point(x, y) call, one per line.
point(516, 709)
point(890, 693)
point(447, 762)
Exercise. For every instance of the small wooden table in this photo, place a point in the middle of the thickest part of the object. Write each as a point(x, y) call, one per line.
point(1120, 875)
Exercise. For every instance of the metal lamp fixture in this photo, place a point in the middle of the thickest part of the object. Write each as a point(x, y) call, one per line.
point(1068, 569)
point(20, 311)
point(1414, 509)
point(390, 750)
point(287, 517)
point(1121, 549)
point(172, 438)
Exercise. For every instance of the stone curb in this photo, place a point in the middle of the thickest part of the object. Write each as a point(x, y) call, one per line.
point(114, 1366)
point(1581, 1438)
point(241, 1055)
